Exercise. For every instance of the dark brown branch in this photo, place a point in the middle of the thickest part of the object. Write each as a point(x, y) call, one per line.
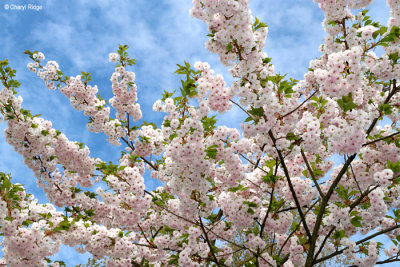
point(208, 243)
point(258, 161)
point(380, 139)
point(358, 242)
point(149, 163)
point(305, 101)
point(361, 197)
point(392, 259)
point(252, 163)
point(325, 200)
point(268, 211)
point(143, 158)
point(290, 235)
point(145, 237)
point(310, 254)
point(355, 179)
point(242, 108)
point(345, 33)
point(312, 174)
point(290, 185)
point(238, 49)
point(290, 208)
point(323, 242)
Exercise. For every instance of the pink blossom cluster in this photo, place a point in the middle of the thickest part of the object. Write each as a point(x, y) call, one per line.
point(394, 20)
point(310, 130)
point(150, 143)
point(28, 246)
point(219, 95)
point(130, 184)
point(85, 97)
point(275, 182)
point(235, 210)
point(229, 20)
point(383, 177)
point(125, 94)
point(342, 74)
point(42, 146)
point(304, 191)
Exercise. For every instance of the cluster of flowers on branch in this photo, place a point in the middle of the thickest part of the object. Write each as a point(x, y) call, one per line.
point(274, 180)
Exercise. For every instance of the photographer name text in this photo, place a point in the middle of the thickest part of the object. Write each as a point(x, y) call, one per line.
point(23, 7)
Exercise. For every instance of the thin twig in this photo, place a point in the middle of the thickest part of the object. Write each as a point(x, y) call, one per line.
point(208, 242)
point(269, 209)
point(379, 139)
point(285, 170)
point(312, 174)
point(358, 242)
point(308, 98)
point(242, 108)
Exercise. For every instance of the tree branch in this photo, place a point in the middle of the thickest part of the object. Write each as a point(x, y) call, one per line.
point(358, 242)
point(209, 243)
point(312, 174)
point(290, 185)
point(310, 254)
point(305, 101)
point(379, 139)
point(269, 209)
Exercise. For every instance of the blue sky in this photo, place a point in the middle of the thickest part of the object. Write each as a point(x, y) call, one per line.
point(80, 34)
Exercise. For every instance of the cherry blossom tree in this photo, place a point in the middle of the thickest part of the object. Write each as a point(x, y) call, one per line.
point(273, 180)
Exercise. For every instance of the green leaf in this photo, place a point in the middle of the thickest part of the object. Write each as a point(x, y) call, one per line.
point(229, 47)
point(394, 166)
point(375, 34)
point(332, 23)
point(356, 221)
point(267, 60)
point(211, 151)
point(61, 263)
point(238, 188)
point(250, 210)
point(383, 30)
point(368, 22)
point(209, 123)
point(26, 223)
point(346, 103)
point(174, 260)
point(91, 195)
point(172, 136)
point(45, 132)
point(248, 119)
point(167, 123)
point(258, 24)
point(385, 109)
point(339, 234)
point(150, 123)
point(270, 178)
point(250, 204)
point(391, 36)
point(342, 192)
point(259, 112)
point(353, 213)
point(166, 95)
point(292, 137)
point(394, 57)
